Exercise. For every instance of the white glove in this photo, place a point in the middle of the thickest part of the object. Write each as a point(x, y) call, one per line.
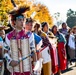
point(38, 66)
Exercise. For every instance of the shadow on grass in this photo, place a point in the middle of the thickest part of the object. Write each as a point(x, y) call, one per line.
point(67, 70)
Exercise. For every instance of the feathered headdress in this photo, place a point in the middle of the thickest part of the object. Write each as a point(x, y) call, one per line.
point(19, 10)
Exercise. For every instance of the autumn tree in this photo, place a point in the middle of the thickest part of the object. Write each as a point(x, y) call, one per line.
point(38, 11)
point(5, 6)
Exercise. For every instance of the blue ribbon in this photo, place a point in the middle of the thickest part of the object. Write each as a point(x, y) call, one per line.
point(19, 17)
point(26, 57)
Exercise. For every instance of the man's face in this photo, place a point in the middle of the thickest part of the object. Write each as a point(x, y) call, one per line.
point(19, 23)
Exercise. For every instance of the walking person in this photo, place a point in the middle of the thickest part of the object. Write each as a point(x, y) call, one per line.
point(62, 60)
point(47, 65)
point(52, 46)
point(72, 43)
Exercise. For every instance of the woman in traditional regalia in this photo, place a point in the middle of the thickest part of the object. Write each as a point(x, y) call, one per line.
point(47, 66)
point(62, 60)
point(53, 50)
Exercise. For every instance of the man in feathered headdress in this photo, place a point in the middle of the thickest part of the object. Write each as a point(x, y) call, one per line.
point(18, 42)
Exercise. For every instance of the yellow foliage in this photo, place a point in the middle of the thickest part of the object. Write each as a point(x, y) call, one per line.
point(37, 11)
point(42, 14)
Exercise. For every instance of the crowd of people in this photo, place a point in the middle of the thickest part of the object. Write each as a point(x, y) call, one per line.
point(31, 48)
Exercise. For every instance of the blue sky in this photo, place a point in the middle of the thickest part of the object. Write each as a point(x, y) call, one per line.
point(59, 6)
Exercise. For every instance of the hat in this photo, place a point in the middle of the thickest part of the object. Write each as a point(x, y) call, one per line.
point(18, 11)
point(3, 27)
point(28, 20)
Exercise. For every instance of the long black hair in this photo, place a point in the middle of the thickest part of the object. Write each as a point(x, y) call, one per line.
point(53, 29)
point(43, 24)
